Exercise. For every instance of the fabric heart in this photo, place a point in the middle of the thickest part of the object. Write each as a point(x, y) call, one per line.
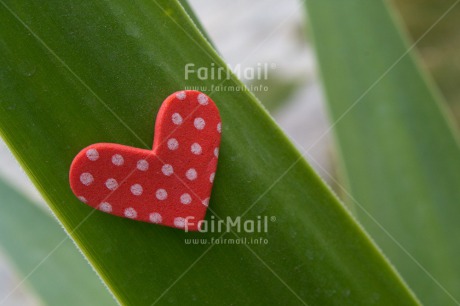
point(169, 185)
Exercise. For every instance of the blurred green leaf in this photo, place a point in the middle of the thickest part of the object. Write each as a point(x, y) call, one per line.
point(28, 236)
point(75, 73)
point(399, 152)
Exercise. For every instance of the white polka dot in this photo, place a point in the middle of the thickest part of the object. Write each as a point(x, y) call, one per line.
point(185, 198)
point(167, 169)
point(118, 160)
point(216, 152)
point(211, 177)
point(196, 149)
point(86, 179)
point(202, 99)
point(83, 199)
point(179, 222)
point(130, 213)
point(155, 218)
point(181, 95)
point(105, 207)
point(173, 144)
point(205, 202)
point(176, 119)
point(92, 154)
point(219, 127)
point(143, 165)
point(137, 189)
point(111, 184)
point(191, 174)
point(199, 123)
point(161, 194)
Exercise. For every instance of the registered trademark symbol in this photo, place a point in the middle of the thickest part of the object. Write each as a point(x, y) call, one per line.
point(272, 218)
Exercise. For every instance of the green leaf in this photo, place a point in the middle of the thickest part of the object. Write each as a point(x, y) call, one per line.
point(98, 72)
point(400, 155)
point(34, 242)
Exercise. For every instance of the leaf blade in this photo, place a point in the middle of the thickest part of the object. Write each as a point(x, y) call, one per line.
point(146, 254)
point(399, 151)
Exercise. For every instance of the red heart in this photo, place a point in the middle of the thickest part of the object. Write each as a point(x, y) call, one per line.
point(169, 185)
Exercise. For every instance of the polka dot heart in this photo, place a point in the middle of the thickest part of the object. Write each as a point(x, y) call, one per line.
point(168, 185)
